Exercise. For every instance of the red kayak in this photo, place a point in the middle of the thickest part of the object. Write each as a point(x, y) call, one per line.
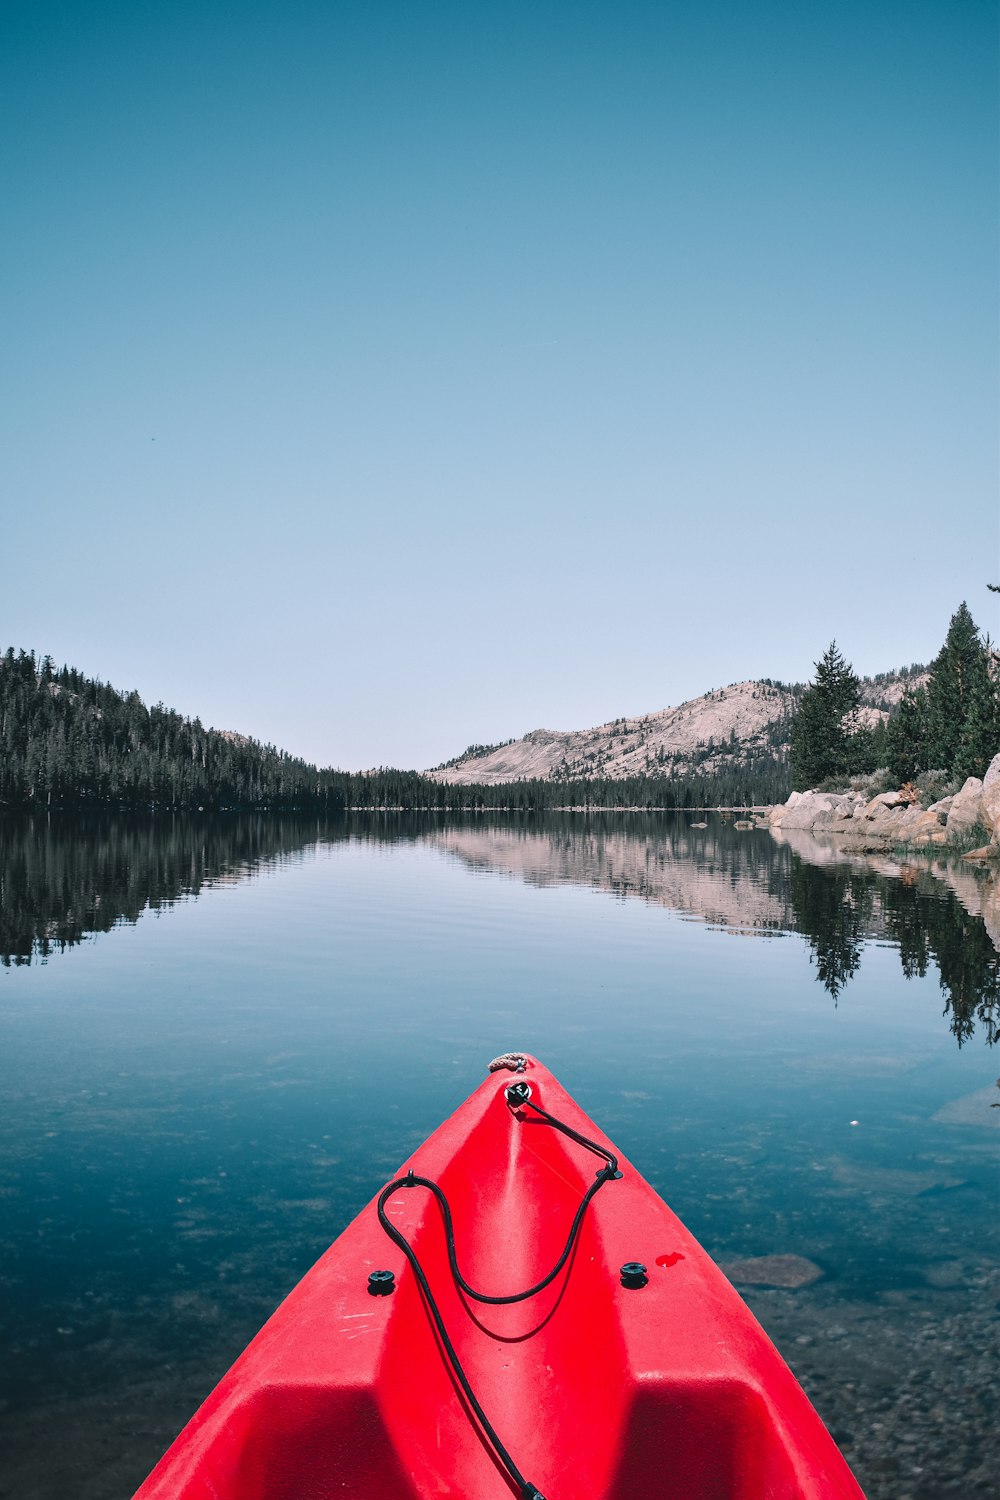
point(518, 1313)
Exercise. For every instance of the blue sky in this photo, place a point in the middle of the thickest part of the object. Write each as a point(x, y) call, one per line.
point(381, 378)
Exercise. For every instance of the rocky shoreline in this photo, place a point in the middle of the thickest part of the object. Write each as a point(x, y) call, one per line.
point(868, 825)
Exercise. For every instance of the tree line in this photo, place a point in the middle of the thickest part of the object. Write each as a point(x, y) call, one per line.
point(949, 725)
point(70, 742)
point(762, 781)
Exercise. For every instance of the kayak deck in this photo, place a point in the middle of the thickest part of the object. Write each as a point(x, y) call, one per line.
point(666, 1391)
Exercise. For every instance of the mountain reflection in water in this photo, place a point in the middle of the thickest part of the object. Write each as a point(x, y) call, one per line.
point(62, 880)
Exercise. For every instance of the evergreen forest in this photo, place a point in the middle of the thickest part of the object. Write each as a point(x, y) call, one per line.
point(68, 742)
point(949, 725)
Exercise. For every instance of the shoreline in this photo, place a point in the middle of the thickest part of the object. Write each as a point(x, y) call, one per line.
point(761, 809)
point(964, 824)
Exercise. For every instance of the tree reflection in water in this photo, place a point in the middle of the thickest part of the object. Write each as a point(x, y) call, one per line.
point(62, 880)
point(837, 908)
point(833, 910)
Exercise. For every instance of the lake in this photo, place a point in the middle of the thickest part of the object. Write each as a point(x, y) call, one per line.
point(220, 1037)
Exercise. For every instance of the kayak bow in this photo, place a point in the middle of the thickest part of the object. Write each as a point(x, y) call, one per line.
point(503, 1310)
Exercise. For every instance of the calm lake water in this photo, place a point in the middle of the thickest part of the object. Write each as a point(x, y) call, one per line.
point(218, 1039)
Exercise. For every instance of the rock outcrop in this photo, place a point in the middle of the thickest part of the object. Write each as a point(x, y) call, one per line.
point(966, 807)
point(895, 817)
point(989, 802)
point(814, 809)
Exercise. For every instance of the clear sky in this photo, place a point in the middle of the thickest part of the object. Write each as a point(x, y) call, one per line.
point(381, 377)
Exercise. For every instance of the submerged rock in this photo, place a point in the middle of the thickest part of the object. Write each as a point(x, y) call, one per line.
point(972, 1109)
point(892, 1181)
point(773, 1270)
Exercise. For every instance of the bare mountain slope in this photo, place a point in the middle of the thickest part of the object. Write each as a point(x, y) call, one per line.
point(729, 726)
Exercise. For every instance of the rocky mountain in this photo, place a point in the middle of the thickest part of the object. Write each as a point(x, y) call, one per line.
point(730, 726)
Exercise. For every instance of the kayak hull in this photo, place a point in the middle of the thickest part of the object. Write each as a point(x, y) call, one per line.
point(666, 1391)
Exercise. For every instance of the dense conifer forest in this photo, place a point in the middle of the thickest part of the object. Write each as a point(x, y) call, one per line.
point(68, 742)
point(764, 782)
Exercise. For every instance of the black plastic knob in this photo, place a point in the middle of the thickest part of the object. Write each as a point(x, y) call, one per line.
point(517, 1093)
point(633, 1275)
point(381, 1283)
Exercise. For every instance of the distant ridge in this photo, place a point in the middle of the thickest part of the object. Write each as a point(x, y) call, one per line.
point(74, 743)
point(726, 729)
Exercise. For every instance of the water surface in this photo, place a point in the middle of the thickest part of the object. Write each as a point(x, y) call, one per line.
point(218, 1039)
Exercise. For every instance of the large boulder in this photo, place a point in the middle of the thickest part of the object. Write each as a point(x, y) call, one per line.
point(966, 808)
point(805, 809)
point(776, 816)
point(883, 816)
point(885, 802)
point(919, 827)
point(843, 811)
point(990, 801)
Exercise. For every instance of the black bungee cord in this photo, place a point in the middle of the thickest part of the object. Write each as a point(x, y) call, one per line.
point(517, 1096)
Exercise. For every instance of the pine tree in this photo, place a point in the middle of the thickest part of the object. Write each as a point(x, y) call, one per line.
point(820, 738)
point(979, 739)
point(906, 752)
point(949, 691)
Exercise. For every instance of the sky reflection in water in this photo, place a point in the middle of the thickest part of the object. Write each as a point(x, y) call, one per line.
point(196, 1104)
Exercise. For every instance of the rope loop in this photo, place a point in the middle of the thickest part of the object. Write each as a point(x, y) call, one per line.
point(608, 1173)
point(515, 1061)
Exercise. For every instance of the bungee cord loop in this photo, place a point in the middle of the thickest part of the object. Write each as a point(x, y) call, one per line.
point(518, 1097)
